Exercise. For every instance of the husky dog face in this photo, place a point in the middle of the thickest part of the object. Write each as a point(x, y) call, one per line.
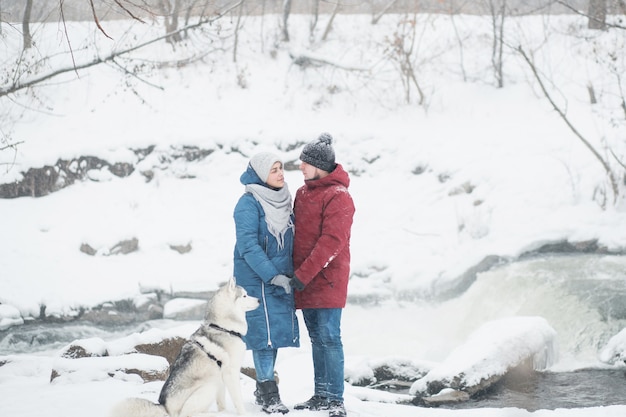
point(247, 302)
point(240, 296)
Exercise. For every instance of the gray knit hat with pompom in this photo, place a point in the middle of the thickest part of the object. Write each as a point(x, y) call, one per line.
point(320, 153)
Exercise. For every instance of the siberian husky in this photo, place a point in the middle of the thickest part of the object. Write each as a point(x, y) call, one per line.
point(208, 363)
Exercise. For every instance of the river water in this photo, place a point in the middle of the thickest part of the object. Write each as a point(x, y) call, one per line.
point(552, 390)
point(583, 297)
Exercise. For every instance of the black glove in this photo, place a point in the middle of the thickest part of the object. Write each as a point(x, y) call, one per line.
point(296, 283)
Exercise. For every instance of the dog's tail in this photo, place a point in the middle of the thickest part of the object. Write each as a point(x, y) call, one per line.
point(137, 407)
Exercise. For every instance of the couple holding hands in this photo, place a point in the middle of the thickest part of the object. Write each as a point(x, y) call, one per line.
point(296, 257)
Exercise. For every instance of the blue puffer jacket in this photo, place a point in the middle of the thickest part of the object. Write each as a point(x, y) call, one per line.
point(257, 260)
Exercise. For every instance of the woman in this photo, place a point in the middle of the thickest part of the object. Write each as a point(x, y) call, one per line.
point(263, 265)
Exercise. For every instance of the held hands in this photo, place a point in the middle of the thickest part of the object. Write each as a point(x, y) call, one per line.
point(296, 283)
point(282, 281)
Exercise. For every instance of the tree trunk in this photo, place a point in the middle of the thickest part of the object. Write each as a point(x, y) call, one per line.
point(286, 12)
point(376, 17)
point(498, 16)
point(28, 38)
point(313, 25)
point(170, 17)
point(237, 26)
point(597, 14)
point(329, 26)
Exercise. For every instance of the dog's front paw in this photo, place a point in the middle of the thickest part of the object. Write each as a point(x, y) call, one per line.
point(241, 410)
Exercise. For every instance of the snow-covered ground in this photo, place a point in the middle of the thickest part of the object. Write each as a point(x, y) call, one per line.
point(476, 171)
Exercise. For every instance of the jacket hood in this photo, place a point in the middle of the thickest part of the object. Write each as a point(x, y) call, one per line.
point(338, 177)
point(250, 177)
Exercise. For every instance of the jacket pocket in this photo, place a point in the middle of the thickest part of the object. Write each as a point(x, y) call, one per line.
point(329, 282)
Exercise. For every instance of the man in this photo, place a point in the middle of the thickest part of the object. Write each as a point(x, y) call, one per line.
point(323, 211)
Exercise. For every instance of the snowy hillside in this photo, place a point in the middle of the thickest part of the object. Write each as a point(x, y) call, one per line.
point(473, 172)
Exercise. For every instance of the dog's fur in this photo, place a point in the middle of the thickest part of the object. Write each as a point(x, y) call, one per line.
point(208, 363)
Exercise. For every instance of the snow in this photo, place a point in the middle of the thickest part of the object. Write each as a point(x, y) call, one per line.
point(9, 316)
point(476, 171)
point(493, 349)
point(82, 370)
point(615, 349)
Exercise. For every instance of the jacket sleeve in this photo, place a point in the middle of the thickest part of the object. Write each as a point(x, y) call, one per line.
point(337, 220)
point(248, 244)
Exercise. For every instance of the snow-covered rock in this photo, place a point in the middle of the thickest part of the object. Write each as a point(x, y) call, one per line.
point(147, 367)
point(184, 309)
point(615, 349)
point(85, 348)
point(490, 352)
point(9, 316)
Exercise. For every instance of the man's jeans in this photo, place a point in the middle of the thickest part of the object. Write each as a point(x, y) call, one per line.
point(264, 361)
point(324, 326)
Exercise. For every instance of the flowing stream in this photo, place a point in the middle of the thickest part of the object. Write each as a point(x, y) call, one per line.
point(583, 297)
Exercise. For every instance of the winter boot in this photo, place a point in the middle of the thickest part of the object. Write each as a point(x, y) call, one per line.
point(336, 409)
point(315, 403)
point(258, 398)
point(270, 399)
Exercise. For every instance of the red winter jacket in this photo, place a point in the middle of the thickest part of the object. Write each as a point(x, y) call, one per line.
point(321, 252)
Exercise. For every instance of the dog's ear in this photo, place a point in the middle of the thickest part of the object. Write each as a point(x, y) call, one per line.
point(231, 283)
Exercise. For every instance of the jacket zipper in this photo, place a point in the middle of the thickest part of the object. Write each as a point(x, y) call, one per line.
point(267, 317)
point(294, 336)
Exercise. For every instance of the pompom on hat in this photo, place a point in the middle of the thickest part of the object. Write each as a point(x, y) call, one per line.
point(320, 153)
point(262, 163)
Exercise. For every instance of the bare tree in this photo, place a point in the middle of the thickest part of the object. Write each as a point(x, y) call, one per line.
point(239, 15)
point(597, 14)
point(329, 25)
point(612, 176)
point(498, 15)
point(19, 84)
point(314, 19)
point(286, 13)
point(601, 10)
point(171, 11)
point(452, 11)
point(26, 35)
point(402, 49)
point(377, 17)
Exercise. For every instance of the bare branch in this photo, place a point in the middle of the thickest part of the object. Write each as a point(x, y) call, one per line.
point(95, 19)
point(604, 163)
point(10, 146)
point(132, 74)
point(377, 17)
point(20, 86)
point(237, 26)
point(329, 25)
point(621, 91)
point(578, 12)
point(304, 60)
point(619, 161)
point(128, 12)
point(66, 37)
